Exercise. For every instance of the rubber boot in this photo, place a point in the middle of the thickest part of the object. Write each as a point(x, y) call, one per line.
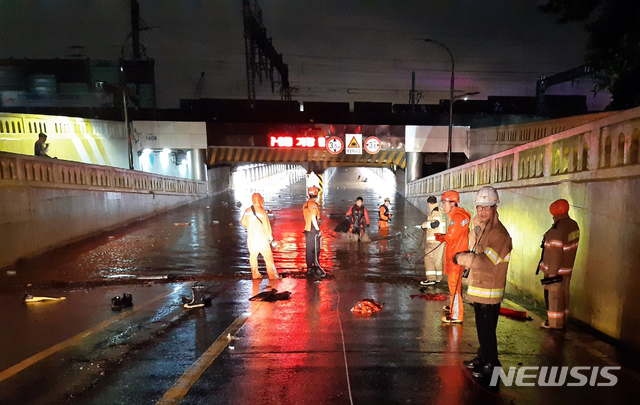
point(197, 300)
point(127, 300)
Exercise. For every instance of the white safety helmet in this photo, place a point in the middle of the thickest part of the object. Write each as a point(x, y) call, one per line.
point(487, 196)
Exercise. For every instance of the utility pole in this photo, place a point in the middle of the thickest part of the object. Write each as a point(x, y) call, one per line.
point(135, 29)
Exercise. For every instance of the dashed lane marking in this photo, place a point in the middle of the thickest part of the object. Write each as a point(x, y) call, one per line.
point(189, 378)
point(75, 339)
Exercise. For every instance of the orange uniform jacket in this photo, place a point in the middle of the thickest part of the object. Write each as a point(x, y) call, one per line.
point(310, 209)
point(457, 238)
point(384, 213)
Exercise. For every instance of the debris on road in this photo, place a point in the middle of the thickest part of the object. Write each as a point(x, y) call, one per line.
point(513, 314)
point(182, 223)
point(430, 297)
point(271, 295)
point(366, 306)
point(28, 298)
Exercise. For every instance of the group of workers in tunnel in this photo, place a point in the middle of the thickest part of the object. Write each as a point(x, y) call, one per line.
point(477, 249)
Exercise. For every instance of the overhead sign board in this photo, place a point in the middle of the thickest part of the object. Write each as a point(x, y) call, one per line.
point(353, 144)
point(335, 145)
point(372, 145)
point(296, 141)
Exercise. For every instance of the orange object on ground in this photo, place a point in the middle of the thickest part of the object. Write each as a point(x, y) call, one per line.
point(513, 314)
point(366, 306)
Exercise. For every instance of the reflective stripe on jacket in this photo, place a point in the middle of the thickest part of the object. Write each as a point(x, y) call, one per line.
point(560, 246)
point(435, 215)
point(488, 275)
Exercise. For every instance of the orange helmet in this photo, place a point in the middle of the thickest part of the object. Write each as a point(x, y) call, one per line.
point(313, 192)
point(559, 207)
point(451, 196)
point(257, 199)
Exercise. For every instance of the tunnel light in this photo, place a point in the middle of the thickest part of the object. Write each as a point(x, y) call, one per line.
point(184, 162)
point(146, 151)
point(166, 151)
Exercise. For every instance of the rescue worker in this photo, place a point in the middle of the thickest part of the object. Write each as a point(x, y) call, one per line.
point(457, 240)
point(487, 264)
point(384, 214)
point(558, 256)
point(311, 213)
point(359, 218)
point(434, 252)
point(259, 237)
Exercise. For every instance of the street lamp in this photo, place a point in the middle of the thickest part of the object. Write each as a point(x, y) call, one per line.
point(451, 98)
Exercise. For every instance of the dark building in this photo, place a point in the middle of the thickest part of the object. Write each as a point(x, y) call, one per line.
point(76, 83)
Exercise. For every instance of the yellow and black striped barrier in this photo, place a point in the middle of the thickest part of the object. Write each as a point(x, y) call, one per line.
point(218, 155)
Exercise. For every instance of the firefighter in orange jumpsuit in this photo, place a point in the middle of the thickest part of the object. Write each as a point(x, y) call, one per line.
point(358, 215)
point(558, 256)
point(259, 237)
point(457, 240)
point(385, 216)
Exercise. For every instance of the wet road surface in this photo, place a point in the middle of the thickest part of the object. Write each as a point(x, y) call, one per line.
point(309, 349)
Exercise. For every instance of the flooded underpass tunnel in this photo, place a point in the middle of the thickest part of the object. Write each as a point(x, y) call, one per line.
point(310, 348)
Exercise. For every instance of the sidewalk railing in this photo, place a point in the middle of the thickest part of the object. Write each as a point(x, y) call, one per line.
point(606, 148)
point(38, 171)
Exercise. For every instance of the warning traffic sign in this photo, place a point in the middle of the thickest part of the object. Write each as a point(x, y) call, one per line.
point(372, 145)
point(335, 145)
point(354, 144)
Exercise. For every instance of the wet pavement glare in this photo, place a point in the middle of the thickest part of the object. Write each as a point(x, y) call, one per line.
point(310, 349)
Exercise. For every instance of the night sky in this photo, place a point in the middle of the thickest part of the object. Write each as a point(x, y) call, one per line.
point(337, 50)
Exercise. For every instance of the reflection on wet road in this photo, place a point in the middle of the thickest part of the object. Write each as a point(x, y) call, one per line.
point(206, 239)
point(310, 349)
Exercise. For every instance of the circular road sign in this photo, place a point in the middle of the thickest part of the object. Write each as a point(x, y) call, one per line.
point(372, 145)
point(335, 145)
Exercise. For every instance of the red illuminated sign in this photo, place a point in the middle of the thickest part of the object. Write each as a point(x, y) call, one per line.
point(296, 141)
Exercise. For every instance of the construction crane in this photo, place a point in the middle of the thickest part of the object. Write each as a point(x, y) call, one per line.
point(260, 55)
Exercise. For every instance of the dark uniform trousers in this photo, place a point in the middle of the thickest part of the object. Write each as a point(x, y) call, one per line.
point(486, 324)
point(313, 254)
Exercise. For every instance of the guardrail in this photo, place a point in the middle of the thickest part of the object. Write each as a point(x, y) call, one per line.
point(39, 171)
point(611, 142)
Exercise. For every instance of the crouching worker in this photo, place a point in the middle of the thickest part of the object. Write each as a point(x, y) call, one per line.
point(488, 264)
point(259, 237)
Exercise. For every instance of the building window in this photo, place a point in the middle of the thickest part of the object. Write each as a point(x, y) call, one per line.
point(607, 152)
point(634, 147)
point(620, 159)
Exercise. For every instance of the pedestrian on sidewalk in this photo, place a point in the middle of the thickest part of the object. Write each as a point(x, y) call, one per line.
point(560, 246)
point(457, 240)
point(434, 252)
point(259, 237)
point(40, 148)
point(488, 264)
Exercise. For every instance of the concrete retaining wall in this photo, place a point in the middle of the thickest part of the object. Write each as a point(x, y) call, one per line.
point(595, 167)
point(46, 203)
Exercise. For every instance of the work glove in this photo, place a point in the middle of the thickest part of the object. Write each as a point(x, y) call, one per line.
point(464, 259)
point(367, 225)
point(273, 244)
point(440, 237)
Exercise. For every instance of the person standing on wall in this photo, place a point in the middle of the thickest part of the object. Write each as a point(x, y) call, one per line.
point(259, 237)
point(488, 264)
point(434, 252)
point(560, 246)
point(457, 240)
